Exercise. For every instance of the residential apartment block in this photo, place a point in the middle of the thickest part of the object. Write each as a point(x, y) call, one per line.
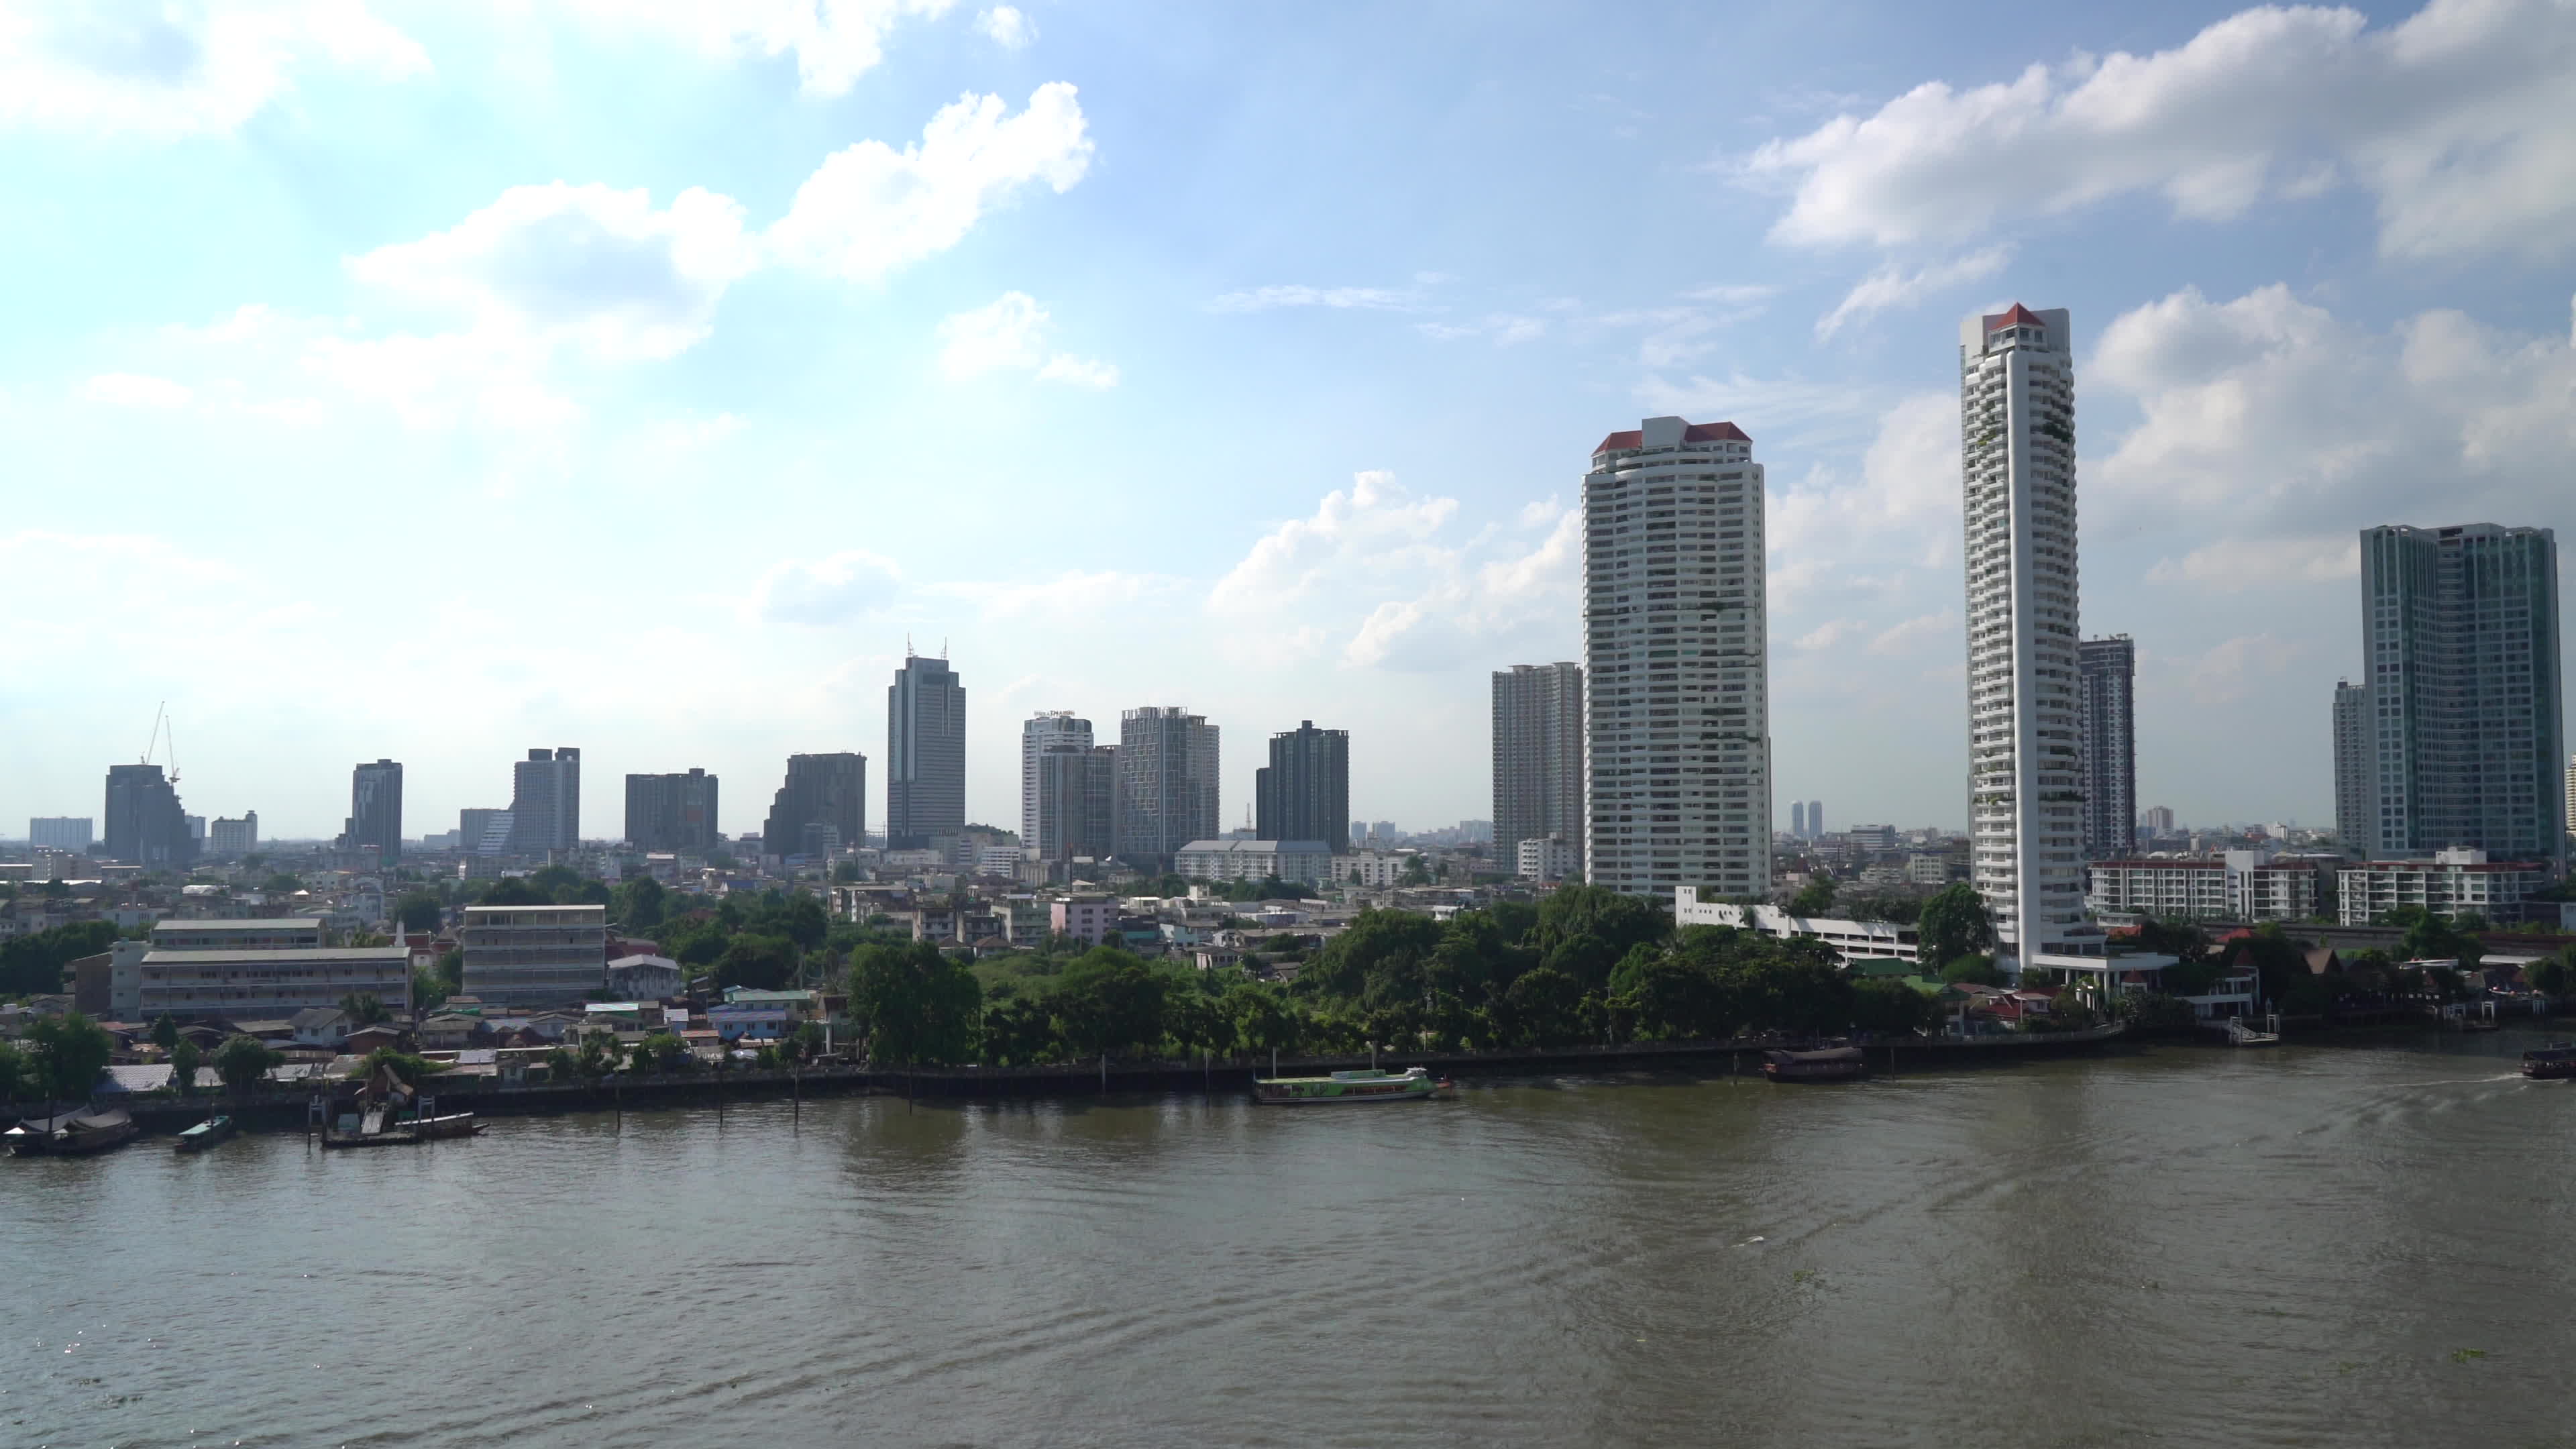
point(270, 985)
point(673, 812)
point(2453, 881)
point(526, 956)
point(1538, 757)
point(1304, 793)
point(2108, 672)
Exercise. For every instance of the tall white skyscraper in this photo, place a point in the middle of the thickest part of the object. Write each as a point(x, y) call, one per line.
point(1039, 731)
point(2025, 772)
point(1677, 738)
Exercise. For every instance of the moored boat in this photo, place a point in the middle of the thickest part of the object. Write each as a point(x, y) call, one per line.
point(1413, 1084)
point(454, 1124)
point(70, 1134)
point(1830, 1064)
point(2551, 1063)
point(205, 1134)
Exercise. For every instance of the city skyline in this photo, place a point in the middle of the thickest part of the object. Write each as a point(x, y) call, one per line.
point(2294, 328)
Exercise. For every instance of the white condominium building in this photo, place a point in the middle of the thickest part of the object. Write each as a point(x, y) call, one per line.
point(1677, 737)
point(2026, 801)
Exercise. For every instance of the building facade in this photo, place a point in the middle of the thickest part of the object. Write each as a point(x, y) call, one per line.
point(1545, 858)
point(2025, 716)
point(146, 825)
point(545, 802)
point(60, 832)
point(1077, 803)
point(821, 806)
point(233, 839)
point(1046, 730)
point(1851, 940)
point(2451, 882)
point(253, 984)
point(1538, 757)
point(1677, 746)
point(534, 956)
point(1304, 793)
point(925, 754)
point(375, 811)
point(2465, 737)
point(673, 812)
point(2356, 816)
point(2108, 672)
point(484, 832)
point(1256, 860)
point(1167, 784)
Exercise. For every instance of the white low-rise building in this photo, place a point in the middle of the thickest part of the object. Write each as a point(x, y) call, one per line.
point(1376, 869)
point(270, 985)
point(1547, 858)
point(2453, 881)
point(1294, 860)
point(1851, 940)
point(534, 955)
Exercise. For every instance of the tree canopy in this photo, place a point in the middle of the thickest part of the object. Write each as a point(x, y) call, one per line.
point(67, 1053)
point(1955, 923)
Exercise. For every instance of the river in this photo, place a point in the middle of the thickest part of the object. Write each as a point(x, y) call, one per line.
point(2311, 1245)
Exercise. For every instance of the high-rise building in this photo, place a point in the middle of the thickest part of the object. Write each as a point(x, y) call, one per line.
point(2355, 815)
point(2108, 672)
point(1797, 820)
point(672, 812)
point(234, 838)
point(1677, 745)
point(822, 806)
point(2571, 797)
point(375, 810)
point(1042, 731)
point(484, 832)
point(1167, 784)
point(1077, 803)
point(2460, 642)
point(1815, 819)
point(1304, 793)
point(1538, 757)
point(925, 754)
point(145, 824)
point(59, 832)
point(545, 802)
point(2157, 820)
point(2025, 771)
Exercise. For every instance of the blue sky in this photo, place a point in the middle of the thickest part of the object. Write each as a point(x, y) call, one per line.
point(437, 381)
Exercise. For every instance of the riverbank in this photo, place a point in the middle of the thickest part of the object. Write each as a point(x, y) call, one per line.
point(288, 1109)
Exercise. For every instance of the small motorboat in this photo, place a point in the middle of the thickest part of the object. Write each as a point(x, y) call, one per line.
point(2552, 1063)
point(2239, 1034)
point(204, 1135)
point(1414, 1084)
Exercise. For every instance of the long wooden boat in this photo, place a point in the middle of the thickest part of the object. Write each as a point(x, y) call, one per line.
point(204, 1135)
point(1830, 1064)
point(1414, 1084)
point(454, 1124)
point(2552, 1063)
point(71, 1134)
point(374, 1127)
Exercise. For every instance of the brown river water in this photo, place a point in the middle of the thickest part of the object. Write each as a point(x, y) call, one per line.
point(2310, 1245)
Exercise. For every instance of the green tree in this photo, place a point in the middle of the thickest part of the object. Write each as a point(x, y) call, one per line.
point(17, 1074)
point(244, 1062)
point(33, 964)
point(185, 1058)
point(665, 1052)
point(1972, 971)
point(918, 1007)
point(165, 1034)
point(419, 911)
point(364, 1008)
point(1955, 923)
point(281, 884)
point(761, 962)
point(1265, 1020)
point(1618, 921)
point(2552, 975)
point(1892, 1008)
point(1380, 956)
point(1108, 1003)
point(1546, 1008)
point(1660, 995)
point(638, 904)
point(1020, 1032)
point(1815, 898)
point(1417, 872)
point(68, 1052)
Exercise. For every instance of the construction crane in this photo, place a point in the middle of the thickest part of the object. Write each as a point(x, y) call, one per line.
point(163, 729)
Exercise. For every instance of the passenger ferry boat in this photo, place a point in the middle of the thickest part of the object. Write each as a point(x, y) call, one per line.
point(1368, 1084)
point(2551, 1063)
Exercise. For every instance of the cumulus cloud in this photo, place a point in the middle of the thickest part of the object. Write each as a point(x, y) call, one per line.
point(834, 41)
point(1007, 27)
point(870, 209)
point(587, 264)
point(178, 69)
point(846, 586)
point(2231, 565)
point(1009, 334)
point(1891, 286)
point(2460, 121)
point(1905, 503)
point(1385, 565)
point(2281, 421)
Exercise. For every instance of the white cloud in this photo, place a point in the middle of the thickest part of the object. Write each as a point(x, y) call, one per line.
point(1009, 333)
point(1263, 299)
point(1891, 287)
point(179, 69)
point(2460, 121)
point(586, 264)
point(1828, 634)
point(1071, 595)
point(834, 41)
point(1905, 503)
point(870, 209)
point(1915, 634)
point(1007, 27)
point(2229, 672)
point(2232, 565)
point(1503, 329)
point(135, 390)
point(1381, 563)
point(2267, 417)
point(848, 585)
